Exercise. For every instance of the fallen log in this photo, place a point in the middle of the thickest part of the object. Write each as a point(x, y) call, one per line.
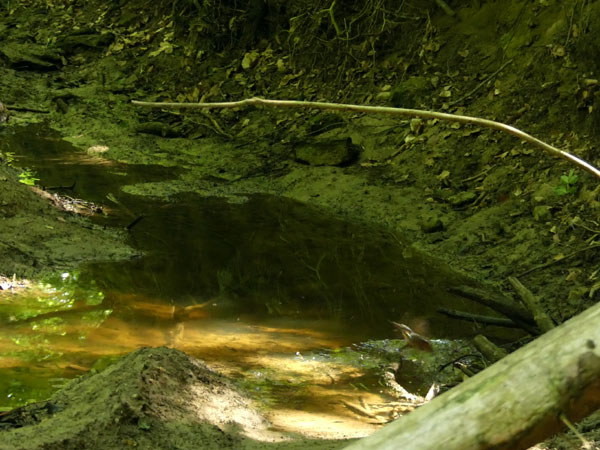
point(519, 401)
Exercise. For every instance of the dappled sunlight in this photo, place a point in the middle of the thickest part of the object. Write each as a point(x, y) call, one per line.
point(280, 361)
point(268, 292)
point(213, 336)
point(320, 425)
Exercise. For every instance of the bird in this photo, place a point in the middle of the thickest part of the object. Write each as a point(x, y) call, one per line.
point(413, 339)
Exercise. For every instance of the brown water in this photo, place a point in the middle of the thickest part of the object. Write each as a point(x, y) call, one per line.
point(263, 290)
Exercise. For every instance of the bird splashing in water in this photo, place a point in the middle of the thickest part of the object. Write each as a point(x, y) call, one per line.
point(413, 339)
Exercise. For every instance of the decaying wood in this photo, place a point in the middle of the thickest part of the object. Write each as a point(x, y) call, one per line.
point(256, 101)
point(513, 404)
point(542, 319)
point(499, 303)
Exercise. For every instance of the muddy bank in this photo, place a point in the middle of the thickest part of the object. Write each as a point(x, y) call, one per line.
point(36, 237)
point(152, 398)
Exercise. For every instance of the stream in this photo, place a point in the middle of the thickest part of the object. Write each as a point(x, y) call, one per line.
point(265, 289)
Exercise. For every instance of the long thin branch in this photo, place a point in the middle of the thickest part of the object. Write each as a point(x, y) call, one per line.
point(498, 303)
point(254, 101)
point(487, 320)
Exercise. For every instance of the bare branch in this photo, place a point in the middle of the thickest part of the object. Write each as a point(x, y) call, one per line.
point(254, 101)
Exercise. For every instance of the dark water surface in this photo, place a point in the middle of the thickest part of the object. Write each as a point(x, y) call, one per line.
point(233, 283)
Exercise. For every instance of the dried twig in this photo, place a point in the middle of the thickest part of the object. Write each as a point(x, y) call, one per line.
point(480, 85)
point(254, 101)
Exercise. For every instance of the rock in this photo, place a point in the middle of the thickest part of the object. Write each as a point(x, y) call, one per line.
point(72, 43)
point(432, 224)
point(30, 56)
point(542, 213)
point(462, 199)
point(339, 152)
point(410, 93)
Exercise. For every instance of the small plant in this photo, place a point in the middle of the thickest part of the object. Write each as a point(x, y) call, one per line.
point(27, 177)
point(568, 184)
point(7, 157)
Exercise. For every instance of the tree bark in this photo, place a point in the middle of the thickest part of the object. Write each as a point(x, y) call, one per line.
point(513, 404)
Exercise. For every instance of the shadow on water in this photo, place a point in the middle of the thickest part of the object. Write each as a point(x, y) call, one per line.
point(249, 286)
point(261, 257)
point(62, 168)
point(272, 257)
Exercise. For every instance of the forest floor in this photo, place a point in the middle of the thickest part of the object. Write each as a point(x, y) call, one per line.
point(482, 201)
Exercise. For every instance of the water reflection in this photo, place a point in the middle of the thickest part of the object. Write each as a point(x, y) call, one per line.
point(61, 167)
point(276, 257)
point(274, 360)
point(255, 288)
point(265, 257)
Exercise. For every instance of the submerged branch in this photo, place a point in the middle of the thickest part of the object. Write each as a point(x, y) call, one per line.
point(499, 303)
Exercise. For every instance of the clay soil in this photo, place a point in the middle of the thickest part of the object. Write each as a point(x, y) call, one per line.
point(482, 201)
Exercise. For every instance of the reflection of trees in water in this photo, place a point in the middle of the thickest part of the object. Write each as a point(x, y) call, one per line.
point(331, 275)
point(276, 257)
point(323, 276)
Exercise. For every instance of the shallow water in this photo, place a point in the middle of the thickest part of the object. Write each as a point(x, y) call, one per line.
point(257, 288)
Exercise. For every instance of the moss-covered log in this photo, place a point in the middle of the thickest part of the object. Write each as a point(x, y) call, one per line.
point(513, 404)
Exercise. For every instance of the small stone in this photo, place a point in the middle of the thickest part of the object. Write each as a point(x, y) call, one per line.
point(411, 93)
point(30, 56)
point(542, 213)
point(432, 224)
point(338, 152)
point(462, 198)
